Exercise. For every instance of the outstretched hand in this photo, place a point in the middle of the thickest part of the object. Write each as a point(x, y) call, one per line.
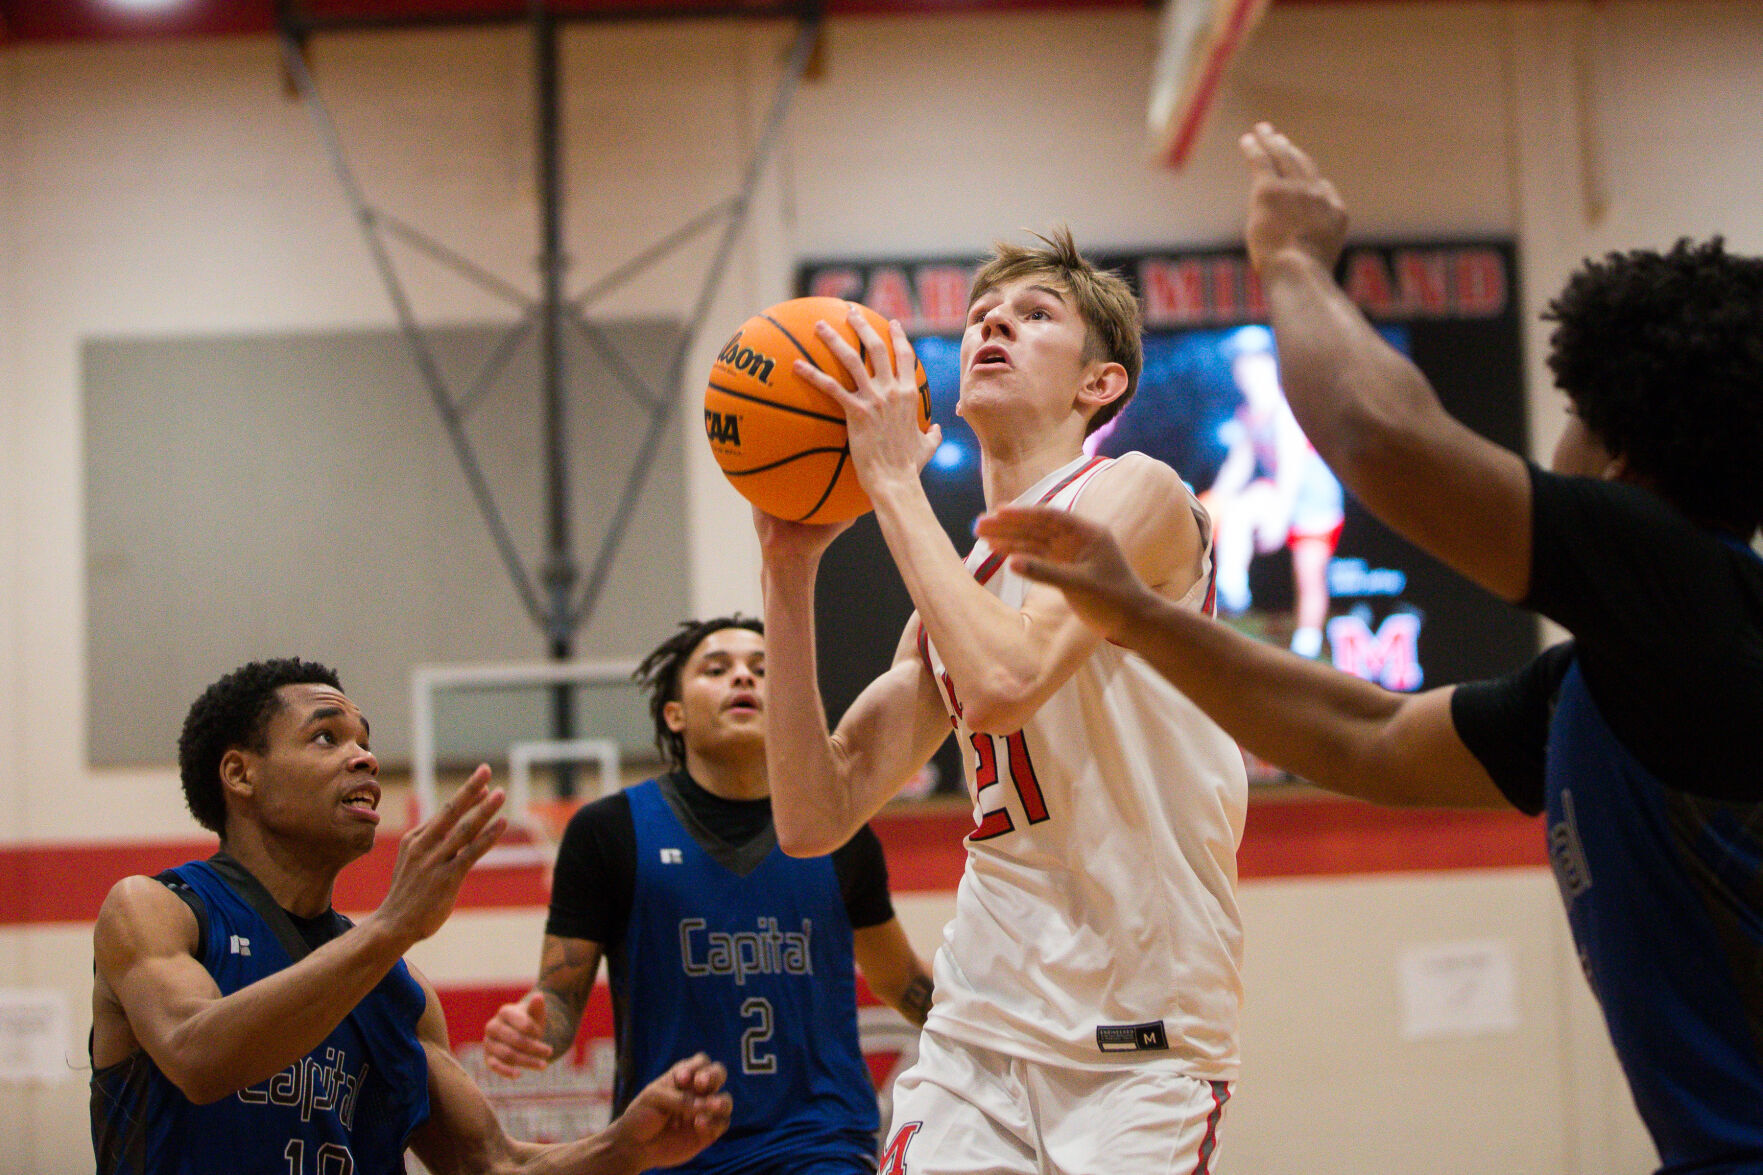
point(676, 1115)
point(1074, 554)
point(1293, 208)
point(435, 856)
point(514, 1039)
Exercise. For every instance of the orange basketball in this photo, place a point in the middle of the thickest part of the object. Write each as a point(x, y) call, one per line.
point(780, 440)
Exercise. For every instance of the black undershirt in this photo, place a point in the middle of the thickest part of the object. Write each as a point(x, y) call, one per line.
point(1667, 620)
point(320, 929)
point(594, 881)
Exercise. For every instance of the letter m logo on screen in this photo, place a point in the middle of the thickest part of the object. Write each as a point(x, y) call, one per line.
point(1390, 656)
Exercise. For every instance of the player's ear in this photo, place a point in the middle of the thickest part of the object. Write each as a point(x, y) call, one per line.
point(674, 714)
point(1104, 383)
point(236, 772)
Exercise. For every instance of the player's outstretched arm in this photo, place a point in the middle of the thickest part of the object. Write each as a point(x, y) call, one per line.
point(669, 1121)
point(1329, 727)
point(893, 970)
point(824, 786)
point(157, 992)
point(534, 1030)
point(1367, 409)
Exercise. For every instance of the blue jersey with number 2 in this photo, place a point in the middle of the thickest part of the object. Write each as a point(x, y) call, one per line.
point(757, 971)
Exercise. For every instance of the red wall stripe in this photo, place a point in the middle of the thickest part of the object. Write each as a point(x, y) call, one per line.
point(1284, 838)
point(1326, 837)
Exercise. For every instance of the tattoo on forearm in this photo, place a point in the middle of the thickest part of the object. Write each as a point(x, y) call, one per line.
point(562, 1018)
point(915, 1001)
point(566, 979)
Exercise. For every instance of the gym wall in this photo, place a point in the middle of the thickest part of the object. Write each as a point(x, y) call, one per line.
point(171, 191)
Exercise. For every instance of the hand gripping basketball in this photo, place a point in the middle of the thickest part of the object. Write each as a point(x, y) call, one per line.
point(781, 441)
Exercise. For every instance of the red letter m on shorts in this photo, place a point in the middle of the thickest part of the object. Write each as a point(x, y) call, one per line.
point(893, 1160)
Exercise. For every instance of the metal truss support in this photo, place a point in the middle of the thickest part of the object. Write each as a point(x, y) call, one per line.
point(551, 598)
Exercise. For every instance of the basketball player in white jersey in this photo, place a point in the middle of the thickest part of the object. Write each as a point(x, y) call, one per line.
point(1087, 989)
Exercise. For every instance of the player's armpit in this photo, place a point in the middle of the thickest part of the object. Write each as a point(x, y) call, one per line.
point(888, 733)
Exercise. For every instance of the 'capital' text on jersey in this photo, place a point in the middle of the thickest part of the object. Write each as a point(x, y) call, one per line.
point(765, 951)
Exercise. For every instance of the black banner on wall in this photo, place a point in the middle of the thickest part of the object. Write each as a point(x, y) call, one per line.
point(1300, 563)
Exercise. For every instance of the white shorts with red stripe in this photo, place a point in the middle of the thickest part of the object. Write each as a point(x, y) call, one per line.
point(964, 1110)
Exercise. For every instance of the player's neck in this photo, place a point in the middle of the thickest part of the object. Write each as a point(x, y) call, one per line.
point(738, 776)
point(1008, 473)
point(300, 882)
point(1016, 453)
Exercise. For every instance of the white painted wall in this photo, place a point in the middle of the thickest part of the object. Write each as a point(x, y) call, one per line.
point(171, 188)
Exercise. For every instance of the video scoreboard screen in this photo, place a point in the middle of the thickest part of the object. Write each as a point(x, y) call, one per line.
point(1299, 561)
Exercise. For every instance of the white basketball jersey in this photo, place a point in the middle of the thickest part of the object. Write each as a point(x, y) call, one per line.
point(1096, 921)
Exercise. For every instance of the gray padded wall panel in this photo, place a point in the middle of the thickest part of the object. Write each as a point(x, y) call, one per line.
point(297, 494)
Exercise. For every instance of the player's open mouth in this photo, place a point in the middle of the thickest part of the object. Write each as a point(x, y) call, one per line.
point(990, 355)
point(743, 704)
point(364, 798)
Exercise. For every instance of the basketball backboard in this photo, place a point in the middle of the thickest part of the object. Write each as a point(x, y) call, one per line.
point(1196, 40)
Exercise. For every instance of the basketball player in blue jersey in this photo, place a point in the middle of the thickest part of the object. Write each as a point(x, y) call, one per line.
point(240, 1025)
point(1639, 737)
point(715, 937)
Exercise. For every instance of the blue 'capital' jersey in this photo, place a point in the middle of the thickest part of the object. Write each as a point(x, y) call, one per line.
point(756, 970)
point(350, 1104)
point(1662, 891)
point(1641, 741)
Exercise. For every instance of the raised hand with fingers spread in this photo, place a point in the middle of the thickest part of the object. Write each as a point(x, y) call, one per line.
point(435, 856)
point(1293, 208)
point(881, 411)
point(1075, 554)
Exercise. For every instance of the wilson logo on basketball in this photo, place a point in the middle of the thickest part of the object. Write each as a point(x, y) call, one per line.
point(747, 360)
point(723, 428)
point(788, 453)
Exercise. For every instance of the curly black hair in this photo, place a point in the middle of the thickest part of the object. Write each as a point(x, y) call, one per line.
point(235, 712)
point(1662, 356)
point(659, 675)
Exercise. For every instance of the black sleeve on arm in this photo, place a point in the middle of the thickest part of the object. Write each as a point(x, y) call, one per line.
point(1606, 556)
point(1505, 724)
point(595, 879)
point(1667, 621)
point(863, 879)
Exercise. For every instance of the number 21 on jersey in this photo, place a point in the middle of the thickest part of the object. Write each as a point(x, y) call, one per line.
point(1021, 766)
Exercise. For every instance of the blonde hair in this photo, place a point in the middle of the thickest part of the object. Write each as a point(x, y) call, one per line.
point(1104, 301)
